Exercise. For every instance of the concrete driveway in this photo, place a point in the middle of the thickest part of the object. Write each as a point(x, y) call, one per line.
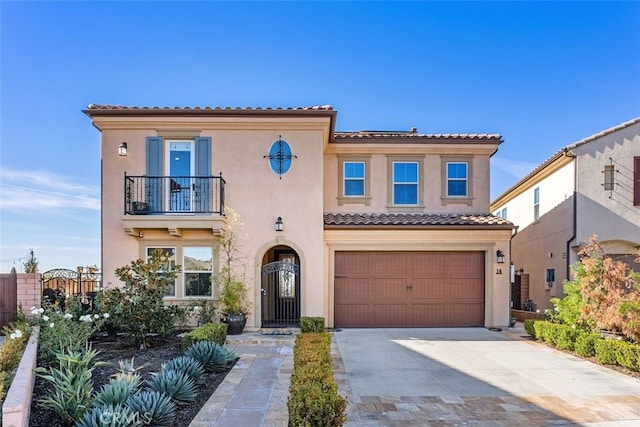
point(474, 376)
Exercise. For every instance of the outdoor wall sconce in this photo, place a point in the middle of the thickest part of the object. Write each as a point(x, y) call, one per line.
point(500, 256)
point(122, 149)
point(279, 224)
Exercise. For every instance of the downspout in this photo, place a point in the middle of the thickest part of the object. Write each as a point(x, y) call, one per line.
point(568, 153)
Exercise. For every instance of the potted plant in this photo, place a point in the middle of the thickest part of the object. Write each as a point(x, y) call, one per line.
point(234, 303)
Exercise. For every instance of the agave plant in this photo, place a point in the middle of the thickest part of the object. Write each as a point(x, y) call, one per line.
point(230, 353)
point(210, 354)
point(72, 392)
point(110, 416)
point(155, 408)
point(175, 384)
point(188, 365)
point(118, 390)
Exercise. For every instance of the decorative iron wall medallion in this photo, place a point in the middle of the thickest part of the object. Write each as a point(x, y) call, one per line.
point(280, 157)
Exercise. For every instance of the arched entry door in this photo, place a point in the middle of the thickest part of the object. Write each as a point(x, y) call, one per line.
point(280, 288)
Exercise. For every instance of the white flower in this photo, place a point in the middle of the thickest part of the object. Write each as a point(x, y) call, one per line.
point(68, 316)
point(85, 318)
point(33, 308)
point(12, 336)
point(16, 334)
point(106, 315)
point(96, 316)
point(41, 310)
point(45, 317)
point(51, 325)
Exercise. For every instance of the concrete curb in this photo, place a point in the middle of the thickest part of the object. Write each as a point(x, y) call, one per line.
point(17, 404)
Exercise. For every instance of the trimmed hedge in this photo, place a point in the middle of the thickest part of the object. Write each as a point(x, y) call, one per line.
point(529, 327)
point(216, 332)
point(311, 324)
point(313, 393)
point(585, 344)
point(606, 351)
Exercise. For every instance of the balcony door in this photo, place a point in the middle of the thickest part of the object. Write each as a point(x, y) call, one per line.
point(180, 172)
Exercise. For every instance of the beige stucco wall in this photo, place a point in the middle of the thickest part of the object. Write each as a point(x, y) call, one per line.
point(497, 288)
point(432, 175)
point(253, 190)
point(543, 245)
point(608, 214)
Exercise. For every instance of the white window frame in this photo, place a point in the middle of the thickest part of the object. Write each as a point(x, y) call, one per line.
point(465, 179)
point(346, 179)
point(167, 173)
point(185, 272)
point(416, 183)
point(354, 158)
point(536, 203)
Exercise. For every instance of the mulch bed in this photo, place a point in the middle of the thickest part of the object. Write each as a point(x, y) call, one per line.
point(115, 348)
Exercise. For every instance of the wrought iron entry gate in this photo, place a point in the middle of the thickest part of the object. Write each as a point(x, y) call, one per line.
point(60, 283)
point(280, 294)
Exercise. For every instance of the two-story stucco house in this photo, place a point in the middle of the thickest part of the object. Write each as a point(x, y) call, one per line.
point(589, 187)
point(363, 228)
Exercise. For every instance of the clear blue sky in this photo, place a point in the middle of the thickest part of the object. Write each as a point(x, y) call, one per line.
point(542, 74)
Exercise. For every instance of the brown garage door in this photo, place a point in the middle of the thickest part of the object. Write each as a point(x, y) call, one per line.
point(396, 289)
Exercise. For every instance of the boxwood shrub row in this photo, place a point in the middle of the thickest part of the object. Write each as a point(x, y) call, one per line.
point(313, 393)
point(216, 332)
point(606, 351)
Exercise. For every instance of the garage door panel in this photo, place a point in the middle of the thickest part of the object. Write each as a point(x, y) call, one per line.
point(389, 315)
point(389, 289)
point(352, 315)
point(352, 289)
point(428, 289)
point(386, 263)
point(428, 314)
point(355, 263)
point(428, 263)
point(409, 289)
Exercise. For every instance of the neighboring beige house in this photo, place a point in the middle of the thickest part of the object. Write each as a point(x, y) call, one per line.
point(363, 228)
point(589, 187)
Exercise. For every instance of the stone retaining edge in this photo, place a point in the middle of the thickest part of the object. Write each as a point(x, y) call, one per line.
point(17, 404)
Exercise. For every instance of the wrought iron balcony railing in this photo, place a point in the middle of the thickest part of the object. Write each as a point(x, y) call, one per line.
point(155, 195)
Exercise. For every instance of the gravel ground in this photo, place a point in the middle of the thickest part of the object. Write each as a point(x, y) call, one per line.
point(115, 348)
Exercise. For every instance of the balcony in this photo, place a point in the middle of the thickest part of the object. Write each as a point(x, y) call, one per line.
point(173, 203)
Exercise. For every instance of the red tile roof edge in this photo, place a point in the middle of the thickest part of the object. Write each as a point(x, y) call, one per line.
point(413, 220)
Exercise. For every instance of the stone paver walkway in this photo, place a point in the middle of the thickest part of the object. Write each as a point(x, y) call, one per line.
point(255, 392)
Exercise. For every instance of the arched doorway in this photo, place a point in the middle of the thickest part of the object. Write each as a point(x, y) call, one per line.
point(280, 287)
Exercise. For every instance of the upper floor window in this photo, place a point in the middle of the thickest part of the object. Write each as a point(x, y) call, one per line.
point(198, 271)
point(405, 183)
point(457, 178)
point(354, 179)
point(536, 203)
point(609, 172)
point(503, 213)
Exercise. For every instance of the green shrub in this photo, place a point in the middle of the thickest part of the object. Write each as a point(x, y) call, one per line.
point(138, 307)
point(72, 393)
point(155, 408)
point(585, 344)
point(564, 336)
point(210, 355)
point(313, 393)
point(116, 391)
point(188, 365)
point(4, 385)
point(110, 416)
point(606, 351)
point(216, 332)
point(174, 384)
point(541, 329)
point(628, 355)
point(529, 328)
point(311, 324)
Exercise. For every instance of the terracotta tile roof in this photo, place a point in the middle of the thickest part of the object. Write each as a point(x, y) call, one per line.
point(93, 107)
point(414, 220)
point(372, 136)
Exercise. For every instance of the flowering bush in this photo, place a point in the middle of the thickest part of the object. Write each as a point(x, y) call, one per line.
point(61, 332)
